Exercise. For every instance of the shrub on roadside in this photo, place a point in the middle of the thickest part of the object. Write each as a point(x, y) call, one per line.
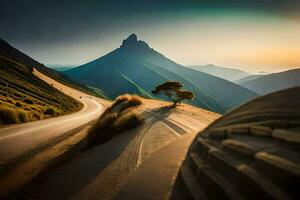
point(100, 132)
point(132, 102)
point(111, 124)
point(8, 115)
point(116, 119)
point(23, 115)
point(120, 99)
point(50, 111)
point(36, 115)
point(126, 121)
point(123, 102)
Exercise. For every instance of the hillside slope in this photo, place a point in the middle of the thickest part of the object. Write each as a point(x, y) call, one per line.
point(274, 82)
point(136, 68)
point(24, 97)
point(8, 51)
point(221, 72)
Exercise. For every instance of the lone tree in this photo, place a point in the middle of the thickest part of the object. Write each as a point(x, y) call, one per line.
point(172, 89)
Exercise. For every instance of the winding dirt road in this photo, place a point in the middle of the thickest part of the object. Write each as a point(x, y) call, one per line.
point(101, 172)
point(17, 139)
point(21, 142)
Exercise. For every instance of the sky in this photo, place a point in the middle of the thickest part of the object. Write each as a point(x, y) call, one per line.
point(252, 35)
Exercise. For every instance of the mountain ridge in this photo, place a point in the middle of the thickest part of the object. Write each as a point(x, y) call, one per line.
point(230, 74)
point(135, 67)
point(266, 84)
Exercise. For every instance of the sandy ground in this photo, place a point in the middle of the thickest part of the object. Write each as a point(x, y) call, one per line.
point(65, 89)
point(101, 172)
point(30, 168)
point(156, 177)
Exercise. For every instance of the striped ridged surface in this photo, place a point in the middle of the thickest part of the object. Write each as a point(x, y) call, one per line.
point(253, 158)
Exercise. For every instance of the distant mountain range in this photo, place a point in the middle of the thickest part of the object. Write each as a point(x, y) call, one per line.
point(247, 78)
point(221, 72)
point(137, 68)
point(264, 84)
point(260, 83)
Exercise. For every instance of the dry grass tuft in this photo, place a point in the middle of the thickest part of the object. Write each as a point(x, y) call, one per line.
point(126, 101)
point(101, 131)
point(135, 100)
point(122, 98)
point(51, 111)
point(118, 118)
point(36, 115)
point(127, 121)
point(8, 115)
point(23, 116)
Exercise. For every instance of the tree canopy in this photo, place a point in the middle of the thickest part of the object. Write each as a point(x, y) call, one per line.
point(172, 89)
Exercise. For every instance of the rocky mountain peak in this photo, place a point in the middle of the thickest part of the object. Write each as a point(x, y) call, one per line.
point(132, 43)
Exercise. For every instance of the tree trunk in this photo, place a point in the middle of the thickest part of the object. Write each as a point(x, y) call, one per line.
point(175, 103)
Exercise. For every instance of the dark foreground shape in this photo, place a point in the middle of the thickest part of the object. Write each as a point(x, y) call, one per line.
point(252, 152)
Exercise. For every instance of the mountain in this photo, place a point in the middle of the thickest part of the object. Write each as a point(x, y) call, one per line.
point(25, 97)
point(221, 72)
point(247, 78)
point(137, 68)
point(273, 82)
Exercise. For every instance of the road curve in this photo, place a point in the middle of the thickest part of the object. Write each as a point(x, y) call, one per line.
point(15, 140)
